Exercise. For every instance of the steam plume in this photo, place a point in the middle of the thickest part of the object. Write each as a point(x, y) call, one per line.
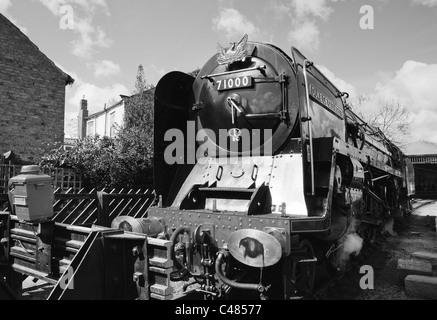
point(350, 243)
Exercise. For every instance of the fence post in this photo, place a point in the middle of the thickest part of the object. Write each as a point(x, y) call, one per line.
point(103, 209)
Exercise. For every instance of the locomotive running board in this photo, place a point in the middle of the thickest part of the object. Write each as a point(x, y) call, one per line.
point(325, 146)
point(308, 260)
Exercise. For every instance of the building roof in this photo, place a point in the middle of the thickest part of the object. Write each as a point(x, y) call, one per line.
point(105, 110)
point(124, 99)
point(421, 148)
point(5, 21)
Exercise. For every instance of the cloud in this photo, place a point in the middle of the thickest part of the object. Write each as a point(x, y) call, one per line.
point(4, 7)
point(302, 18)
point(424, 126)
point(90, 36)
point(105, 68)
point(302, 9)
point(413, 85)
point(97, 96)
point(429, 3)
point(89, 6)
point(314, 8)
point(232, 24)
point(341, 85)
point(70, 124)
point(158, 71)
point(305, 37)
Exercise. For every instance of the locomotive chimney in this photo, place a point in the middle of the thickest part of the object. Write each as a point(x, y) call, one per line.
point(83, 114)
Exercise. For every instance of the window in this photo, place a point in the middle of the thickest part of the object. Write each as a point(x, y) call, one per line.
point(91, 128)
point(112, 124)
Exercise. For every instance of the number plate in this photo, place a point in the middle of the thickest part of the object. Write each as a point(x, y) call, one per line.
point(234, 83)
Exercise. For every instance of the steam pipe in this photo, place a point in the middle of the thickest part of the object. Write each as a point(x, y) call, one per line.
point(177, 233)
point(243, 286)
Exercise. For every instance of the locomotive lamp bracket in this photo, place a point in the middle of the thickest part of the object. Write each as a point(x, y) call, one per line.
point(203, 231)
point(198, 106)
point(343, 94)
point(309, 64)
point(282, 78)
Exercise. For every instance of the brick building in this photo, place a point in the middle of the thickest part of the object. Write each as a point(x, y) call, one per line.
point(32, 96)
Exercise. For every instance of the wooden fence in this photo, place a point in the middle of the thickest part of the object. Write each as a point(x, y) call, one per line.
point(62, 178)
point(97, 207)
point(101, 207)
point(7, 172)
point(4, 202)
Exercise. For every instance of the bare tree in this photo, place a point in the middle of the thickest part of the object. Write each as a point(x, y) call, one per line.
point(389, 116)
point(112, 102)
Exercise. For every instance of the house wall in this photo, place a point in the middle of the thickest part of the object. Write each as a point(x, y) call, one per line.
point(102, 123)
point(32, 96)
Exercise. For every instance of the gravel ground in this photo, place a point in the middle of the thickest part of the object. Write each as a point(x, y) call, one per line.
point(416, 234)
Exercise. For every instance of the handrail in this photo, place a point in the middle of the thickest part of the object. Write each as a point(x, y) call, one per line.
point(210, 76)
point(308, 64)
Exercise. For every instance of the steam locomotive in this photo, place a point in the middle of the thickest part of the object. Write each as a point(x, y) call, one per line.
point(283, 171)
point(263, 173)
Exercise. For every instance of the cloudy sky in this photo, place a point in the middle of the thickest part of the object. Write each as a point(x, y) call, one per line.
point(390, 54)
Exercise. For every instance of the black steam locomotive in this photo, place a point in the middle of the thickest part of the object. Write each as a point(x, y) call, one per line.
point(263, 172)
point(272, 172)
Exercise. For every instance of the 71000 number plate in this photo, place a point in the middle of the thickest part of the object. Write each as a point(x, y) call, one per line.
point(234, 83)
